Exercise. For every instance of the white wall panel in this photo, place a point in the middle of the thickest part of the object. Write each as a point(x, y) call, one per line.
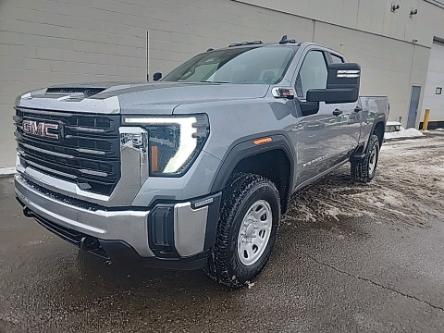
point(435, 78)
point(373, 16)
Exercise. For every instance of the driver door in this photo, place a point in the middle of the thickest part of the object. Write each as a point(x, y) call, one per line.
point(317, 134)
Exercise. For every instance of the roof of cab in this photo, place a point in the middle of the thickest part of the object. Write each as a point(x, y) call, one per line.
point(285, 41)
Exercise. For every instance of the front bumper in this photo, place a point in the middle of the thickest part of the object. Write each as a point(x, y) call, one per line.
point(169, 234)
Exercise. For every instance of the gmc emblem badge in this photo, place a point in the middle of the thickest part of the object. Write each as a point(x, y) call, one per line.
point(41, 129)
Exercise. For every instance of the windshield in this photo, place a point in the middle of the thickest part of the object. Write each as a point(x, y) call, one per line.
point(266, 65)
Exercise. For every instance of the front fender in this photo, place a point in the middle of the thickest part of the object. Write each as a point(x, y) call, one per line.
point(245, 147)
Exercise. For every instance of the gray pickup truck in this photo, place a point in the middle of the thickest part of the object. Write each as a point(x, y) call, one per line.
point(194, 171)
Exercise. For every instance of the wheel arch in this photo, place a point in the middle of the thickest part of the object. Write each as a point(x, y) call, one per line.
point(379, 130)
point(247, 156)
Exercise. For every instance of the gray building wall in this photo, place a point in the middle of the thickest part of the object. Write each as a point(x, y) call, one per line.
point(433, 99)
point(44, 42)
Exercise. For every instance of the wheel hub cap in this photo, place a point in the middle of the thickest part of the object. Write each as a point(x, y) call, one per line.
point(372, 161)
point(254, 232)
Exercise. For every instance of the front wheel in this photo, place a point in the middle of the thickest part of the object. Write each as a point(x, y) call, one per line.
point(364, 170)
point(246, 232)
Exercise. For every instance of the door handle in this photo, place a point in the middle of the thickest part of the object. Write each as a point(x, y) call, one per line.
point(337, 112)
point(357, 109)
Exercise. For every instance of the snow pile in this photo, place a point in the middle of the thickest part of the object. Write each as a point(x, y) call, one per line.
point(403, 133)
point(392, 126)
point(393, 123)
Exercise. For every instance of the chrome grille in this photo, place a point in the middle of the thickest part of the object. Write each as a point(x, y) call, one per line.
point(87, 150)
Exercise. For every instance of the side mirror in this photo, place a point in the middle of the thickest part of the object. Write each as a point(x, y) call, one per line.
point(309, 108)
point(157, 76)
point(343, 83)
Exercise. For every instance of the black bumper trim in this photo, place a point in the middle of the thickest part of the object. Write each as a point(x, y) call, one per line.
point(119, 251)
point(82, 241)
point(161, 227)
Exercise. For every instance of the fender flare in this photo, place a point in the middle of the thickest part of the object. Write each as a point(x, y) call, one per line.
point(244, 148)
point(380, 120)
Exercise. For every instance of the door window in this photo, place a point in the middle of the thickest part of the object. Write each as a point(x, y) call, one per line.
point(313, 73)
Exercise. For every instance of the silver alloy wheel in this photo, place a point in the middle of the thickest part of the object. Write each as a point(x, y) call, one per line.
point(254, 232)
point(372, 161)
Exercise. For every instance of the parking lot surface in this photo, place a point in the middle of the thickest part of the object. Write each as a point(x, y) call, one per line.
point(348, 258)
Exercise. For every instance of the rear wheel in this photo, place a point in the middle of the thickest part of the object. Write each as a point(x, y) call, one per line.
point(247, 228)
point(364, 170)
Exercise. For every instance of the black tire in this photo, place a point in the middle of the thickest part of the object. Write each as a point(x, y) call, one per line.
point(224, 264)
point(361, 170)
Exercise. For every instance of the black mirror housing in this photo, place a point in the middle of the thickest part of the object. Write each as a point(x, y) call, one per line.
point(343, 85)
point(346, 95)
point(309, 108)
point(157, 76)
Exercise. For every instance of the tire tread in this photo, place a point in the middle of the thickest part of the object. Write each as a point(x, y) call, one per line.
point(221, 267)
point(360, 169)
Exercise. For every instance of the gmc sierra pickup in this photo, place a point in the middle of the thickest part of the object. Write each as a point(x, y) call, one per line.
point(194, 171)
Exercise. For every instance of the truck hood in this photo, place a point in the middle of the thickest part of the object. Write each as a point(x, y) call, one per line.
point(137, 98)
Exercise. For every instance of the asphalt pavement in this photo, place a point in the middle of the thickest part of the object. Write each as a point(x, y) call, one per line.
point(367, 258)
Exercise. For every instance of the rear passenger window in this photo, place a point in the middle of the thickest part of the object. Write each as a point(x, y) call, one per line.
point(335, 59)
point(313, 74)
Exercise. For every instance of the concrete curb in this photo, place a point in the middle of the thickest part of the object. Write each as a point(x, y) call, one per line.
point(5, 172)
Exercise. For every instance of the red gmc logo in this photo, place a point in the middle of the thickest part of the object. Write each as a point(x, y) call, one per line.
point(42, 129)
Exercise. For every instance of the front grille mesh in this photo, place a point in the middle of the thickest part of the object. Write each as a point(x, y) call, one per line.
point(87, 151)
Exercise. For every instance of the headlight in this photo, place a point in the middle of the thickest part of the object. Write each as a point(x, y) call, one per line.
point(174, 141)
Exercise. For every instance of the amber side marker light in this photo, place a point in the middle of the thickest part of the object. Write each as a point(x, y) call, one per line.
point(262, 141)
point(154, 158)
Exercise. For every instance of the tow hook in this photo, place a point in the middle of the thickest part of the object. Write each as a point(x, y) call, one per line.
point(27, 212)
point(89, 243)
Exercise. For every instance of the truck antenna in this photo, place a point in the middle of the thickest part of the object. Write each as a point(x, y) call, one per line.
point(285, 40)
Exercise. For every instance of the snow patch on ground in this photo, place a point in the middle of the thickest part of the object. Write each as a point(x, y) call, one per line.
point(403, 133)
